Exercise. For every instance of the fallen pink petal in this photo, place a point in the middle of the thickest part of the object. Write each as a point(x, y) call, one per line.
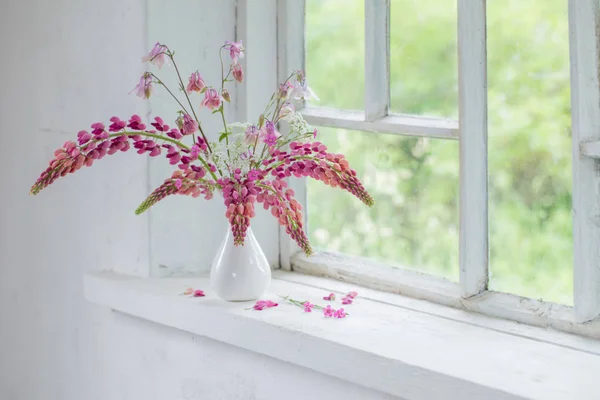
point(262, 304)
point(352, 294)
point(347, 300)
point(330, 297)
point(199, 293)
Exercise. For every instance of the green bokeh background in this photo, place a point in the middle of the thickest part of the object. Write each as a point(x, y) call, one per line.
point(415, 181)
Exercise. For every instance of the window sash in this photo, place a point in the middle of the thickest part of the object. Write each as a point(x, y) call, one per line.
point(473, 194)
point(585, 113)
point(472, 289)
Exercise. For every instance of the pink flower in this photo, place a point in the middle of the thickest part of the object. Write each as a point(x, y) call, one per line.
point(236, 50)
point(196, 83)
point(352, 295)
point(178, 184)
point(144, 88)
point(300, 89)
point(270, 138)
point(189, 125)
point(194, 151)
point(331, 297)
point(175, 134)
point(328, 311)
point(83, 137)
point(238, 72)
point(157, 55)
point(315, 133)
point(284, 90)
point(286, 110)
point(160, 125)
point(135, 123)
point(308, 306)
point(347, 300)
point(188, 291)
point(262, 304)
point(251, 134)
point(253, 175)
point(117, 124)
point(340, 313)
point(199, 293)
point(212, 99)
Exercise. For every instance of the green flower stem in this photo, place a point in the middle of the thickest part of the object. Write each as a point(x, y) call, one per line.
point(189, 101)
point(300, 303)
point(223, 105)
point(171, 93)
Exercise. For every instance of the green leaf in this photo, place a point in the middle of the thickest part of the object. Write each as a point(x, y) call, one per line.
point(223, 136)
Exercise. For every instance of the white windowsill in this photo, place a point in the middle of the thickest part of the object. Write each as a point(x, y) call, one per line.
point(390, 343)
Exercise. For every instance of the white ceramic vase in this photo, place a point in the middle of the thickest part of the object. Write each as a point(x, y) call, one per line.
point(240, 273)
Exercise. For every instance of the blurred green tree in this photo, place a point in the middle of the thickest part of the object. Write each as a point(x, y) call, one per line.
point(415, 180)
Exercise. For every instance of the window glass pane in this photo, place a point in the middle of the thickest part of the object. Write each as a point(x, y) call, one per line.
point(423, 57)
point(530, 148)
point(335, 52)
point(414, 222)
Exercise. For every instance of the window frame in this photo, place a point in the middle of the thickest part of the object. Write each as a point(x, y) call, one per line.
point(472, 292)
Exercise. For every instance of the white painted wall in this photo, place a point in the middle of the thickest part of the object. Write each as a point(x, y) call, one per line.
point(65, 64)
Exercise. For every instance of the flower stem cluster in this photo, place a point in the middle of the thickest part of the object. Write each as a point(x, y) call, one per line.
point(248, 166)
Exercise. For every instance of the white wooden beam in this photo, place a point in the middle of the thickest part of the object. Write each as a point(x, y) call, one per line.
point(290, 58)
point(585, 111)
point(408, 125)
point(473, 147)
point(377, 58)
point(260, 71)
point(590, 148)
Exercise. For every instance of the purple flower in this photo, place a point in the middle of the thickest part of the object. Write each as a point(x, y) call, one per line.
point(144, 88)
point(196, 83)
point(236, 50)
point(238, 72)
point(212, 99)
point(157, 55)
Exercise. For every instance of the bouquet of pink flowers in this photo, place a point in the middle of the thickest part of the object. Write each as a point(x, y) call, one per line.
point(249, 163)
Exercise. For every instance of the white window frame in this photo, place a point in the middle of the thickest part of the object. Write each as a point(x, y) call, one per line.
point(471, 292)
